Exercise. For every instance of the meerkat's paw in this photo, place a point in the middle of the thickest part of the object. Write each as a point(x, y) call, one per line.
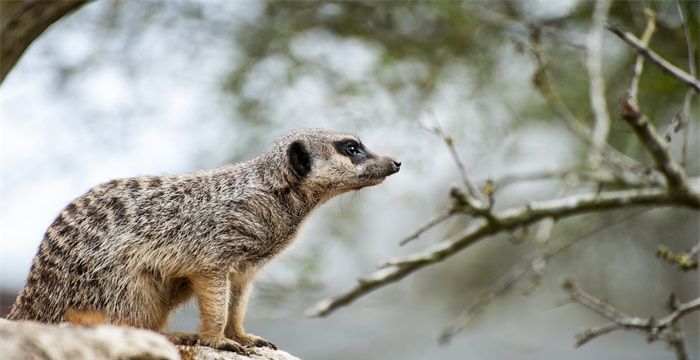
point(251, 340)
point(186, 339)
point(222, 343)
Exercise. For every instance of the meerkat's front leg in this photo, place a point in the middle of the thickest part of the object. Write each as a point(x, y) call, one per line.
point(213, 296)
point(238, 300)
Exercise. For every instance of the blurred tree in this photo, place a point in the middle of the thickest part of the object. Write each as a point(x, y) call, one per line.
point(421, 44)
point(22, 21)
point(440, 35)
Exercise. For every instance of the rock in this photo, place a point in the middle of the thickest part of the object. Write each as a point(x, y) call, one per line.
point(207, 353)
point(32, 340)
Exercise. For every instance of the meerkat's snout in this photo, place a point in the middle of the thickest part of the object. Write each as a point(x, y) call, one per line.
point(387, 166)
point(397, 165)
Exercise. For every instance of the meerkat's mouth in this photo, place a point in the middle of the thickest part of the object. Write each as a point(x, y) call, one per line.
point(367, 184)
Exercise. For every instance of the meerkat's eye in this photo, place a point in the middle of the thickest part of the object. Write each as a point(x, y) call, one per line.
point(352, 149)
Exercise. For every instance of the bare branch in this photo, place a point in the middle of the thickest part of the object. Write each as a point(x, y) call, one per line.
point(676, 335)
point(506, 220)
point(587, 334)
point(633, 92)
point(688, 41)
point(601, 126)
point(598, 176)
point(591, 302)
point(501, 286)
point(22, 22)
point(494, 18)
point(684, 115)
point(655, 58)
point(474, 197)
point(613, 158)
point(506, 282)
point(429, 225)
point(644, 129)
point(658, 148)
point(620, 320)
point(695, 252)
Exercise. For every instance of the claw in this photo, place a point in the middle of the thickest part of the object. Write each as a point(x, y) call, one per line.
point(226, 345)
point(183, 339)
point(251, 340)
point(265, 343)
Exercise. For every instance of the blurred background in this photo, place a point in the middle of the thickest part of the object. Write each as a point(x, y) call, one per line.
point(126, 88)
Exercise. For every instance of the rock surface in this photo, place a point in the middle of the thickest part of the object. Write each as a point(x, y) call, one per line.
point(31, 340)
point(207, 353)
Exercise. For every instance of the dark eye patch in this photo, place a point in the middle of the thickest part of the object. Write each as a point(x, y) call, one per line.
point(352, 149)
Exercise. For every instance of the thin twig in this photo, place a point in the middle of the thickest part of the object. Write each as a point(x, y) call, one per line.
point(676, 335)
point(655, 58)
point(645, 130)
point(513, 275)
point(601, 125)
point(429, 225)
point(685, 123)
point(501, 286)
point(688, 41)
point(474, 196)
point(633, 92)
point(658, 148)
point(598, 176)
point(695, 252)
point(621, 163)
point(588, 334)
point(494, 18)
point(620, 320)
point(684, 116)
point(507, 220)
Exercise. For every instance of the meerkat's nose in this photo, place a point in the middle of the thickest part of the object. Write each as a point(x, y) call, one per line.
point(397, 164)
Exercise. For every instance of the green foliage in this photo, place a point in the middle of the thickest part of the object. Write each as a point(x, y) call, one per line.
point(439, 36)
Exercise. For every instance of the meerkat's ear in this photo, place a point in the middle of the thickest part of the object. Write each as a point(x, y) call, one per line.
point(299, 159)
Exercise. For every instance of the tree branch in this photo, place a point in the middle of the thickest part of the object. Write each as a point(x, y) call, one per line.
point(514, 274)
point(21, 22)
point(658, 148)
point(598, 176)
point(507, 220)
point(619, 162)
point(601, 126)
point(633, 92)
point(684, 115)
point(588, 334)
point(429, 225)
point(620, 320)
point(676, 335)
point(501, 286)
point(513, 25)
point(655, 58)
point(474, 197)
point(644, 129)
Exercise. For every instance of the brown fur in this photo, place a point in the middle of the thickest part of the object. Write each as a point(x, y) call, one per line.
point(134, 249)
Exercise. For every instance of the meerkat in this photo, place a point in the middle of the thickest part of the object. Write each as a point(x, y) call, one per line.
point(136, 248)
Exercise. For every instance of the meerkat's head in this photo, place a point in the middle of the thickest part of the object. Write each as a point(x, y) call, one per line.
point(332, 163)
